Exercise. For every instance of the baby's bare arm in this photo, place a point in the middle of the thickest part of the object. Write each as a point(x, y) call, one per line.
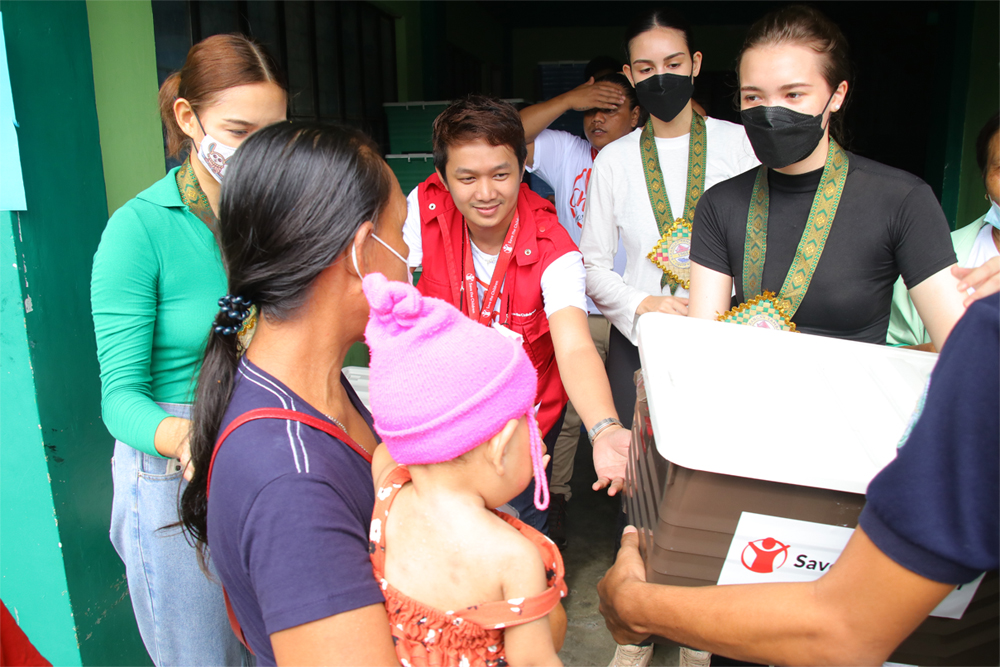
point(558, 622)
point(532, 643)
point(382, 463)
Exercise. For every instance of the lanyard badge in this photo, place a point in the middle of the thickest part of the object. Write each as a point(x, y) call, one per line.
point(485, 316)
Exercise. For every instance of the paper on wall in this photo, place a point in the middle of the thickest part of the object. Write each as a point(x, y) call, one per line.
point(11, 182)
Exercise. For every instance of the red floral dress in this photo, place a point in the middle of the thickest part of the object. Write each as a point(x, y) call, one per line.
point(427, 637)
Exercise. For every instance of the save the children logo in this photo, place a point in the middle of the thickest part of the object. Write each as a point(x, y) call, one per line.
point(805, 551)
point(764, 555)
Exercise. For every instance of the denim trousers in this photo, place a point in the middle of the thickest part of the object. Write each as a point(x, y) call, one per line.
point(180, 612)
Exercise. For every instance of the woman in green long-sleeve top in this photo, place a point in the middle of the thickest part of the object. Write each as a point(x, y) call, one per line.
point(156, 283)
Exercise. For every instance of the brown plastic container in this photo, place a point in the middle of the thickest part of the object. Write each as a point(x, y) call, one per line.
point(687, 518)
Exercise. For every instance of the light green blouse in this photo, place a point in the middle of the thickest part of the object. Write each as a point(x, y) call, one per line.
point(155, 287)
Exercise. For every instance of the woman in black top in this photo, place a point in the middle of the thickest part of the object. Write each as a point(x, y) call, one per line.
point(794, 78)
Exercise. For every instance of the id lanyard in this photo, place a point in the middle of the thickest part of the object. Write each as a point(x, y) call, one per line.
point(493, 290)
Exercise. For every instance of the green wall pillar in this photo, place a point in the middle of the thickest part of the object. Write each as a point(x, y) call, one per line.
point(125, 88)
point(32, 578)
point(970, 86)
point(409, 52)
point(52, 80)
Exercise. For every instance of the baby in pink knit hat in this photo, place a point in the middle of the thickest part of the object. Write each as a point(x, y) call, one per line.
point(453, 401)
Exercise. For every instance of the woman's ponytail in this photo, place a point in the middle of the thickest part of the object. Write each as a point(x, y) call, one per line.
point(215, 388)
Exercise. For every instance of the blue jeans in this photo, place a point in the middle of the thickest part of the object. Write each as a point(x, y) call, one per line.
point(180, 612)
point(524, 503)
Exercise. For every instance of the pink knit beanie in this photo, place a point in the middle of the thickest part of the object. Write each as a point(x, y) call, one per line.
point(442, 384)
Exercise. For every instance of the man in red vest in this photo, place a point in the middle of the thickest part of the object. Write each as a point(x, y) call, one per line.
point(496, 250)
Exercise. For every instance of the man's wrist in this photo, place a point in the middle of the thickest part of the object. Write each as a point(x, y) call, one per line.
point(564, 102)
point(603, 426)
point(628, 606)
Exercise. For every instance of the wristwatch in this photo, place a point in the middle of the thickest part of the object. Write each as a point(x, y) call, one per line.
point(602, 426)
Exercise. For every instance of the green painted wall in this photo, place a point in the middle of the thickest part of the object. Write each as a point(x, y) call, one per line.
point(52, 80)
point(409, 55)
point(983, 100)
point(32, 578)
point(125, 87)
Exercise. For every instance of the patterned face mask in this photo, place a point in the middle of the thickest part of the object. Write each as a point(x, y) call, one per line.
point(214, 154)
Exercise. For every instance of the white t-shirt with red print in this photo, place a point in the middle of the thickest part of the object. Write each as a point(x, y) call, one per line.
point(564, 161)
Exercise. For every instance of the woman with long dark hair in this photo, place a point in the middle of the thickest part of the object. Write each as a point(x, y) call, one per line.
point(156, 279)
point(306, 211)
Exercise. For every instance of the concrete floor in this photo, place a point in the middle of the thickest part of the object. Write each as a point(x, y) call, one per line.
point(588, 555)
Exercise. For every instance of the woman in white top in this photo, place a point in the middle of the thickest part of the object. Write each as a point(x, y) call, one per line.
point(684, 154)
point(661, 67)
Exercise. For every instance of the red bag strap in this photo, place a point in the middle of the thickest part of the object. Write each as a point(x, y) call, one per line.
point(234, 622)
point(273, 413)
point(292, 415)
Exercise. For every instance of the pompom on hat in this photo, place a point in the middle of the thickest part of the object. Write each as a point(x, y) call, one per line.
point(440, 383)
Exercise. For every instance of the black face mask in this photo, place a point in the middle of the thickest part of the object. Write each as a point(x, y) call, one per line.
point(665, 95)
point(780, 136)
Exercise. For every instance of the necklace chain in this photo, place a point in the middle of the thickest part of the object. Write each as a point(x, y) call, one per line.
point(336, 421)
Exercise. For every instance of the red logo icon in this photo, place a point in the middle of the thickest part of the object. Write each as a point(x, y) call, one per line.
point(578, 200)
point(765, 555)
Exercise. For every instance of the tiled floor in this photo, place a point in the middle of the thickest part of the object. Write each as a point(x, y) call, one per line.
point(591, 521)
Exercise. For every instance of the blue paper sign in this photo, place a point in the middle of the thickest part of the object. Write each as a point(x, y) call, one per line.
point(11, 182)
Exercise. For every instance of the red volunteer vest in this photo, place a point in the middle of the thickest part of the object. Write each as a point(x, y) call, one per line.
point(540, 240)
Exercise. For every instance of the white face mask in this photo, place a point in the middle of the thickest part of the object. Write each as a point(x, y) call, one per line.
point(993, 215)
point(354, 254)
point(214, 154)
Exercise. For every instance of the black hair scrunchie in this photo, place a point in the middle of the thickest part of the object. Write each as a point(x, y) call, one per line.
point(232, 311)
